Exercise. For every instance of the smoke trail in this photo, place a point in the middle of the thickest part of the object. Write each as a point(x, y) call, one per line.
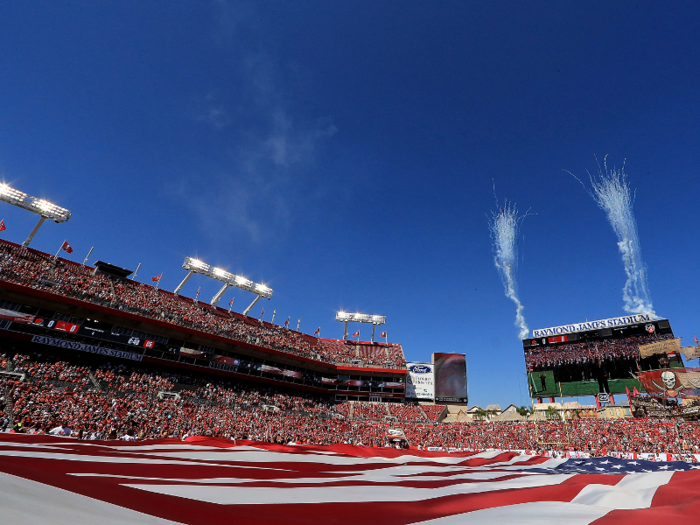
point(611, 191)
point(503, 226)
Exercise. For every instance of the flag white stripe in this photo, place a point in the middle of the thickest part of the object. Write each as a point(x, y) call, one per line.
point(535, 513)
point(26, 501)
point(342, 494)
point(634, 491)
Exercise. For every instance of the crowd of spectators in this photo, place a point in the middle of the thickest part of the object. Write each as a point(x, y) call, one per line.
point(369, 411)
point(409, 413)
point(37, 270)
point(97, 399)
point(588, 351)
point(433, 412)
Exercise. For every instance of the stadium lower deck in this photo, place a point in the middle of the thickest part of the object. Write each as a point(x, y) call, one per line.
point(93, 397)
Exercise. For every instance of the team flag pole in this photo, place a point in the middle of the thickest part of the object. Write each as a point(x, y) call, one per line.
point(317, 333)
point(357, 334)
point(386, 338)
point(88, 256)
point(196, 299)
point(2, 225)
point(298, 324)
point(286, 323)
point(230, 305)
point(156, 279)
point(66, 247)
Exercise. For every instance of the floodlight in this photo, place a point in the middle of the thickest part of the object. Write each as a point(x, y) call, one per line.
point(220, 273)
point(44, 208)
point(196, 266)
point(360, 318)
point(346, 317)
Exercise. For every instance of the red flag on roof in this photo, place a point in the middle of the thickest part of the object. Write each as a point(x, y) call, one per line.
point(318, 331)
point(383, 334)
point(356, 334)
point(156, 278)
point(2, 225)
point(286, 323)
point(66, 247)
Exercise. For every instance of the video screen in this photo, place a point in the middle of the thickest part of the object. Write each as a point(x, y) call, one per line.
point(589, 363)
point(450, 377)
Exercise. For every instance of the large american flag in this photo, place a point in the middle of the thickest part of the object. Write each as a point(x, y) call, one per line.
point(214, 481)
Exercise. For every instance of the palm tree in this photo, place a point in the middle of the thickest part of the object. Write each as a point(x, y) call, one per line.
point(524, 410)
point(552, 413)
point(480, 414)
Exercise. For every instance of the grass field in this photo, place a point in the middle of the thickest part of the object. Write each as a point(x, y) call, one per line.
point(578, 388)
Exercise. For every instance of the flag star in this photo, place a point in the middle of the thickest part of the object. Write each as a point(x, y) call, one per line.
point(616, 466)
point(599, 468)
point(633, 463)
point(604, 462)
point(664, 467)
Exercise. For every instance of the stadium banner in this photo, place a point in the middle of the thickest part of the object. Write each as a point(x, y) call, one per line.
point(92, 349)
point(17, 317)
point(226, 360)
point(329, 381)
point(217, 365)
point(420, 382)
point(190, 352)
point(61, 326)
point(673, 383)
point(593, 325)
point(662, 347)
point(354, 382)
point(691, 352)
point(450, 377)
point(390, 384)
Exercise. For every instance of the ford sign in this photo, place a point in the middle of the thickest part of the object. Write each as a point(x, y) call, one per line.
point(420, 369)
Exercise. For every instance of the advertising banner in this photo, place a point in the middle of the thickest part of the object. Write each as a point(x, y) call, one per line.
point(592, 325)
point(72, 345)
point(679, 382)
point(662, 347)
point(191, 352)
point(691, 352)
point(17, 317)
point(420, 381)
point(450, 377)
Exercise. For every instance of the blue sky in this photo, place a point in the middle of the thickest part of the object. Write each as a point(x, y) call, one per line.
point(345, 153)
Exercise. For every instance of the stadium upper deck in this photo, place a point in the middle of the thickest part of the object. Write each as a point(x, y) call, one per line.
point(192, 329)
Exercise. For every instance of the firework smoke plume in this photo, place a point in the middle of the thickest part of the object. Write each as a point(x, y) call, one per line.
point(611, 191)
point(503, 226)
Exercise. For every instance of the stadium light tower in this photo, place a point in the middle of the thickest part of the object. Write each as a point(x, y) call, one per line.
point(345, 317)
point(45, 209)
point(196, 266)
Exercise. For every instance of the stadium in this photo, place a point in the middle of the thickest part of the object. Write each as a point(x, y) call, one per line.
point(486, 208)
point(92, 355)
